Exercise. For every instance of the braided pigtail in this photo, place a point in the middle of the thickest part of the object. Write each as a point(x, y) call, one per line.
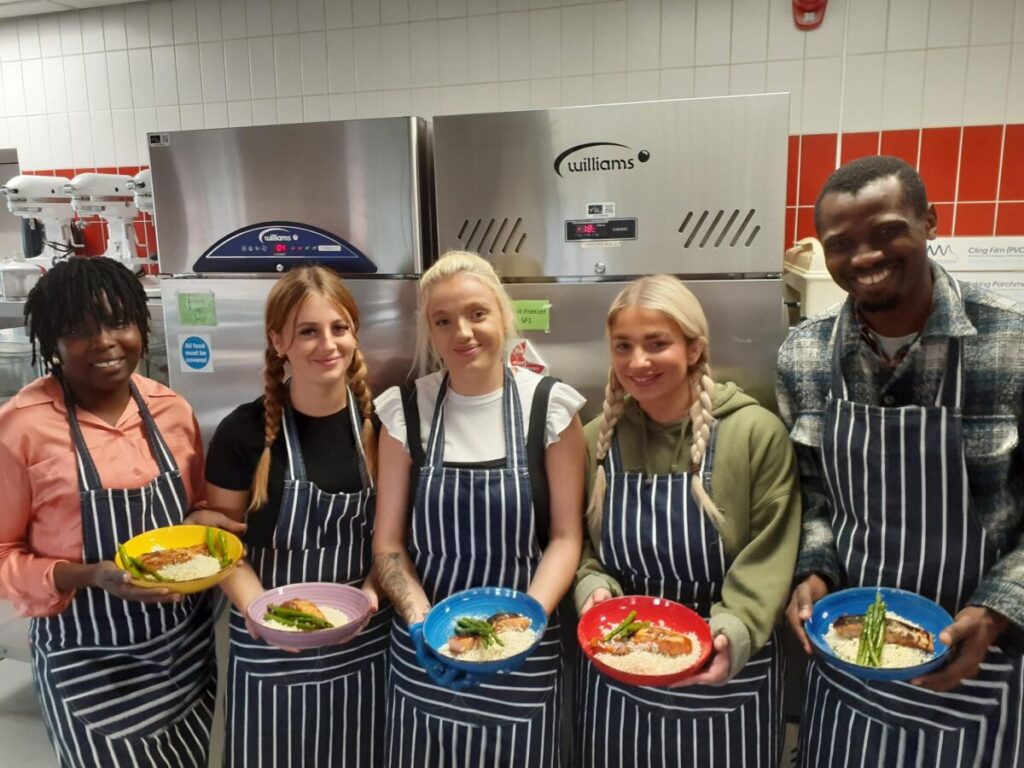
point(611, 411)
point(274, 396)
point(357, 374)
point(702, 421)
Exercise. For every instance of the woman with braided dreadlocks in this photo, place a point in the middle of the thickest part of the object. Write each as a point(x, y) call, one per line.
point(692, 496)
point(90, 455)
point(297, 465)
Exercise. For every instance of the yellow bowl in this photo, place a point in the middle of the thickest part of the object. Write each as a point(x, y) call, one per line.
point(173, 537)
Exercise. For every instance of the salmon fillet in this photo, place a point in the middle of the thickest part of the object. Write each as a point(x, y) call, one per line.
point(896, 632)
point(154, 561)
point(306, 607)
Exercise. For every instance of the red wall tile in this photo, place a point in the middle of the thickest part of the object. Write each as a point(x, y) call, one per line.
point(789, 233)
point(792, 169)
point(975, 218)
point(979, 162)
point(944, 212)
point(1010, 219)
point(805, 223)
point(858, 145)
point(817, 161)
point(940, 150)
point(1012, 185)
point(902, 144)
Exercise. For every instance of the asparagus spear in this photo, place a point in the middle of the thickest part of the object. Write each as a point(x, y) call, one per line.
point(620, 627)
point(872, 637)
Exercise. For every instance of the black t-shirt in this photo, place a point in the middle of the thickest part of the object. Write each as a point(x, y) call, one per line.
point(328, 450)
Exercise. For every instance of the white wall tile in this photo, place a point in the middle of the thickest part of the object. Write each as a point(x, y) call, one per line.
point(183, 15)
point(711, 81)
point(788, 76)
point(211, 62)
point(949, 23)
point(10, 48)
point(395, 12)
point(1015, 90)
point(514, 45)
point(394, 43)
point(284, 16)
point(903, 90)
point(988, 71)
point(18, 136)
point(190, 77)
point(169, 118)
point(827, 40)
point(422, 10)
point(545, 93)
point(261, 68)
point(514, 95)
point(264, 112)
point(35, 88)
point(338, 14)
point(215, 115)
point(165, 77)
point(508, 6)
point(423, 55)
point(74, 84)
point(315, 109)
point(145, 122)
point(239, 114)
point(311, 15)
point(140, 65)
point(747, 78)
point(102, 138)
point(678, 31)
point(454, 100)
point(1018, 22)
point(114, 35)
point(481, 7)
point(483, 97)
point(577, 90)
point(676, 83)
point(906, 30)
point(208, 21)
point(39, 140)
point(482, 48)
point(289, 109)
point(643, 86)
point(60, 141)
point(126, 151)
point(342, 106)
point(5, 133)
point(313, 55)
point(287, 65)
point(369, 103)
point(577, 42)
point(393, 103)
point(991, 21)
point(96, 81)
point(233, 19)
point(49, 35)
point(81, 141)
point(119, 80)
point(426, 102)
point(750, 31)
point(237, 77)
point(341, 62)
point(192, 117)
point(53, 83)
point(28, 38)
point(610, 37)
point(161, 23)
point(821, 96)
point(714, 22)
point(862, 94)
point(136, 25)
point(367, 50)
point(610, 88)
point(70, 33)
point(945, 75)
point(92, 30)
point(453, 55)
point(546, 44)
point(365, 13)
point(643, 35)
point(258, 19)
point(451, 9)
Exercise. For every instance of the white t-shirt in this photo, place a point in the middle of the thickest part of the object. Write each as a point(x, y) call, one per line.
point(473, 425)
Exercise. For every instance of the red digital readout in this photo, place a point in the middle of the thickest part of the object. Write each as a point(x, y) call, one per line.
point(280, 248)
point(586, 229)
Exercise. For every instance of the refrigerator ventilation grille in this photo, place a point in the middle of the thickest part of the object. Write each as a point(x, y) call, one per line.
point(709, 232)
point(482, 236)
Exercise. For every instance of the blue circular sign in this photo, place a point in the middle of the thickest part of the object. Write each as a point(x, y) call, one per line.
point(195, 352)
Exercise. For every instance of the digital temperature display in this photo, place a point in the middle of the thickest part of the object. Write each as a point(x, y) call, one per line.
point(602, 229)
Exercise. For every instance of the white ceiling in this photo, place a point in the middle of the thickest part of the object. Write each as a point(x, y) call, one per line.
point(12, 8)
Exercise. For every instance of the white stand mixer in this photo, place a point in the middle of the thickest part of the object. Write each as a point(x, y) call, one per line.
point(42, 199)
point(107, 195)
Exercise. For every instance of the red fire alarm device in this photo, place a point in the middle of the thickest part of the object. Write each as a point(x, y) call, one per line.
point(808, 14)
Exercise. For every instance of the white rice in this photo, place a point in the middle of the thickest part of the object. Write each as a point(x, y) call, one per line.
point(651, 663)
point(196, 567)
point(893, 656)
point(333, 615)
point(516, 641)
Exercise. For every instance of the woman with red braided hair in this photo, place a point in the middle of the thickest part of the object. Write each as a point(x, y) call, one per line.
point(692, 496)
point(297, 466)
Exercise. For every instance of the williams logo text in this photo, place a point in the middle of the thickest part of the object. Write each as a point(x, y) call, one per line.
point(584, 158)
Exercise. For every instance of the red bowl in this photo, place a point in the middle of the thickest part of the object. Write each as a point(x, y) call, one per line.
point(603, 616)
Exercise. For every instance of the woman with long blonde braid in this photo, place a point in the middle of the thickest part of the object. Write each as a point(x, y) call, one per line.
point(297, 467)
point(692, 496)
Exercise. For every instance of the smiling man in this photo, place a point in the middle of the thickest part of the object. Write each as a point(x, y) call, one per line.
point(906, 405)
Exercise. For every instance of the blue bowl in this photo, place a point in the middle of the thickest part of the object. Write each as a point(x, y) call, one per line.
point(481, 603)
point(854, 602)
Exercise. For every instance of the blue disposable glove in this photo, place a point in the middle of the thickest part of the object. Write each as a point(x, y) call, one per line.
point(446, 677)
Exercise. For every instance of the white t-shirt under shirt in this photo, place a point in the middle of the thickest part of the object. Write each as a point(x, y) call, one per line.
point(473, 428)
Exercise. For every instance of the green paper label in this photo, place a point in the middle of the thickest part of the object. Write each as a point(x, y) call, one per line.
point(533, 314)
point(197, 308)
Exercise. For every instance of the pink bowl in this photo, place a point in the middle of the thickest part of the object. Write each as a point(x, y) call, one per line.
point(349, 600)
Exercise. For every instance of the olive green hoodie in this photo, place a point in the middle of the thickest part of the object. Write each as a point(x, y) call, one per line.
point(753, 482)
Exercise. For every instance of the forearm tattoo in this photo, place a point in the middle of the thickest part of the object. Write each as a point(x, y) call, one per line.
point(393, 580)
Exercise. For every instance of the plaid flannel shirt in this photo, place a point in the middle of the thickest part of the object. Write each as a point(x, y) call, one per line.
point(991, 330)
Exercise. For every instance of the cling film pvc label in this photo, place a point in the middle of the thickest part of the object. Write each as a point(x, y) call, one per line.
point(533, 314)
point(197, 308)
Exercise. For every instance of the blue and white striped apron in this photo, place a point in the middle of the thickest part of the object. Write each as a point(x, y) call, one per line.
point(123, 683)
point(322, 706)
point(474, 528)
point(902, 518)
point(656, 540)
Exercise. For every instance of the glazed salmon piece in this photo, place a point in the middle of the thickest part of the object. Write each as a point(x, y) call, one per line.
point(154, 561)
point(298, 604)
point(896, 632)
point(509, 622)
point(461, 643)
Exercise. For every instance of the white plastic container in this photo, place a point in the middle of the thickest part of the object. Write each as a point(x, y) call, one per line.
point(808, 287)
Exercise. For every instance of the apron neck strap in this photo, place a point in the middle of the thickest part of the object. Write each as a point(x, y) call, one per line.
point(297, 465)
